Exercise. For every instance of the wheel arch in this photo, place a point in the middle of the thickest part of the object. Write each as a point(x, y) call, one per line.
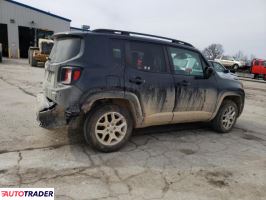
point(126, 99)
point(233, 96)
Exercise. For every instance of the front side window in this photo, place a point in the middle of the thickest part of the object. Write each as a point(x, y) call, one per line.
point(146, 57)
point(185, 62)
point(256, 63)
point(225, 58)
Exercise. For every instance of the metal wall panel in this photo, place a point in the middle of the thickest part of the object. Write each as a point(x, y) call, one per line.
point(23, 16)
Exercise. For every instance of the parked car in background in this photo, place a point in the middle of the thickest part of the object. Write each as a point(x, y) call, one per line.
point(1, 53)
point(258, 68)
point(222, 71)
point(230, 62)
point(41, 53)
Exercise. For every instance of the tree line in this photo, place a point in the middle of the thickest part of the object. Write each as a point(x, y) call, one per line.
point(214, 50)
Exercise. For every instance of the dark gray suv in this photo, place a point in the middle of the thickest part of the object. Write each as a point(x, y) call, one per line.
point(120, 80)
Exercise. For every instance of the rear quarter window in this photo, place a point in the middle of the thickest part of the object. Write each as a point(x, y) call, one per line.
point(65, 49)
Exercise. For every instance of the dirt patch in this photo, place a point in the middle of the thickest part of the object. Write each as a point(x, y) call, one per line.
point(3, 171)
point(252, 137)
point(187, 151)
point(217, 178)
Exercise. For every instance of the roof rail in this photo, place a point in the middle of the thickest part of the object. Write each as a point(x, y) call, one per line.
point(128, 33)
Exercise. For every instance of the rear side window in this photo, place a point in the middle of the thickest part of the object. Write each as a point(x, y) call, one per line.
point(146, 57)
point(185, 62)
point(65, 49)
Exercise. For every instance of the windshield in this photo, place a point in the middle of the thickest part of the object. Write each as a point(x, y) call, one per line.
point(47, 47)
point(217, 67)
point(65, 49)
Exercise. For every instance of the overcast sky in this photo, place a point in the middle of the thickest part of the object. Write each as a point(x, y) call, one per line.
point(236, 24)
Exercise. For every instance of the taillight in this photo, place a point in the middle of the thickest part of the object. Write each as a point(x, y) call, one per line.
point(70, 74)
point(76, 75)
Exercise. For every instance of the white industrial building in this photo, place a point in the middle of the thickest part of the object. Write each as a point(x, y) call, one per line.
point(21, 26)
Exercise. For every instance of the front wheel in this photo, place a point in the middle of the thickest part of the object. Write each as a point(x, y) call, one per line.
point(108, 128)
point(226, 117)
point(235, 67)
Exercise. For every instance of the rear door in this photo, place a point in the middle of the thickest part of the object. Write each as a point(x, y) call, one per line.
point(195, 97)
point(148, 77)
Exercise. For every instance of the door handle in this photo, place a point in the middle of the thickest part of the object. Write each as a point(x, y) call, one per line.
point(184, 83)
point(137, 80)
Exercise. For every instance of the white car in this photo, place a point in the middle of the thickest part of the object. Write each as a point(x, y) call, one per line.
point(229, 62)
point(222, 71)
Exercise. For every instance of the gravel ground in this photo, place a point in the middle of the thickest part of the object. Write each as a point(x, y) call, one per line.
point(166, 162)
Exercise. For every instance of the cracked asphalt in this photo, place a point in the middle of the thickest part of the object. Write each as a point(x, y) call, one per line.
point(166, 162)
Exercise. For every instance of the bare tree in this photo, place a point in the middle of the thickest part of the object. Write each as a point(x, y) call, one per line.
point(239, 55)
point(252, 56)
point(212, 51)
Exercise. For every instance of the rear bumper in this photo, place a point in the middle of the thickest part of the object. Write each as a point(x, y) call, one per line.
point(49, 114)
point(67, 96)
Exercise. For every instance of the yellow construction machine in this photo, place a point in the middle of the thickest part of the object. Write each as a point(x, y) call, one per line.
point(39, 55)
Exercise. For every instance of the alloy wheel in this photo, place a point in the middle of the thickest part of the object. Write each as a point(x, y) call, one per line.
point(228, 117)
point(111, 128)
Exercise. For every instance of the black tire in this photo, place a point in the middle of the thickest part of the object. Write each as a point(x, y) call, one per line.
point(33, 62)
point(1, 57)
point(90, 127)
point(217, 123)
point(235, 67)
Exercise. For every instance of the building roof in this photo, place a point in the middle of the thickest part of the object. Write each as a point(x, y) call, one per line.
point(38, 10)
point(75, 28)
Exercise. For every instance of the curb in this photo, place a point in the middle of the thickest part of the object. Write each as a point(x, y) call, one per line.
point(251, 80)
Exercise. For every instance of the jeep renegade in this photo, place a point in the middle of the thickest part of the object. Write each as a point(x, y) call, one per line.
point(119, 80)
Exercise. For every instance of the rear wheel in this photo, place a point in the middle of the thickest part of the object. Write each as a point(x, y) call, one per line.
point(226, 117)
point(108, 128)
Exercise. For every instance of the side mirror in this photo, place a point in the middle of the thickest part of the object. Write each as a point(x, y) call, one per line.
point(226, 71)
point(209, 71)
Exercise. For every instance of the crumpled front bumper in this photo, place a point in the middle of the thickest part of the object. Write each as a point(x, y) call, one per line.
point(49, 114)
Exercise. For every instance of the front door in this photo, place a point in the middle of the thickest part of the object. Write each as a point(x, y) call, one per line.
point(196, 96)
point(147, 76)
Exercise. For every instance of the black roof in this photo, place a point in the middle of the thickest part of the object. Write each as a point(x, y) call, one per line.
point(129, 35)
